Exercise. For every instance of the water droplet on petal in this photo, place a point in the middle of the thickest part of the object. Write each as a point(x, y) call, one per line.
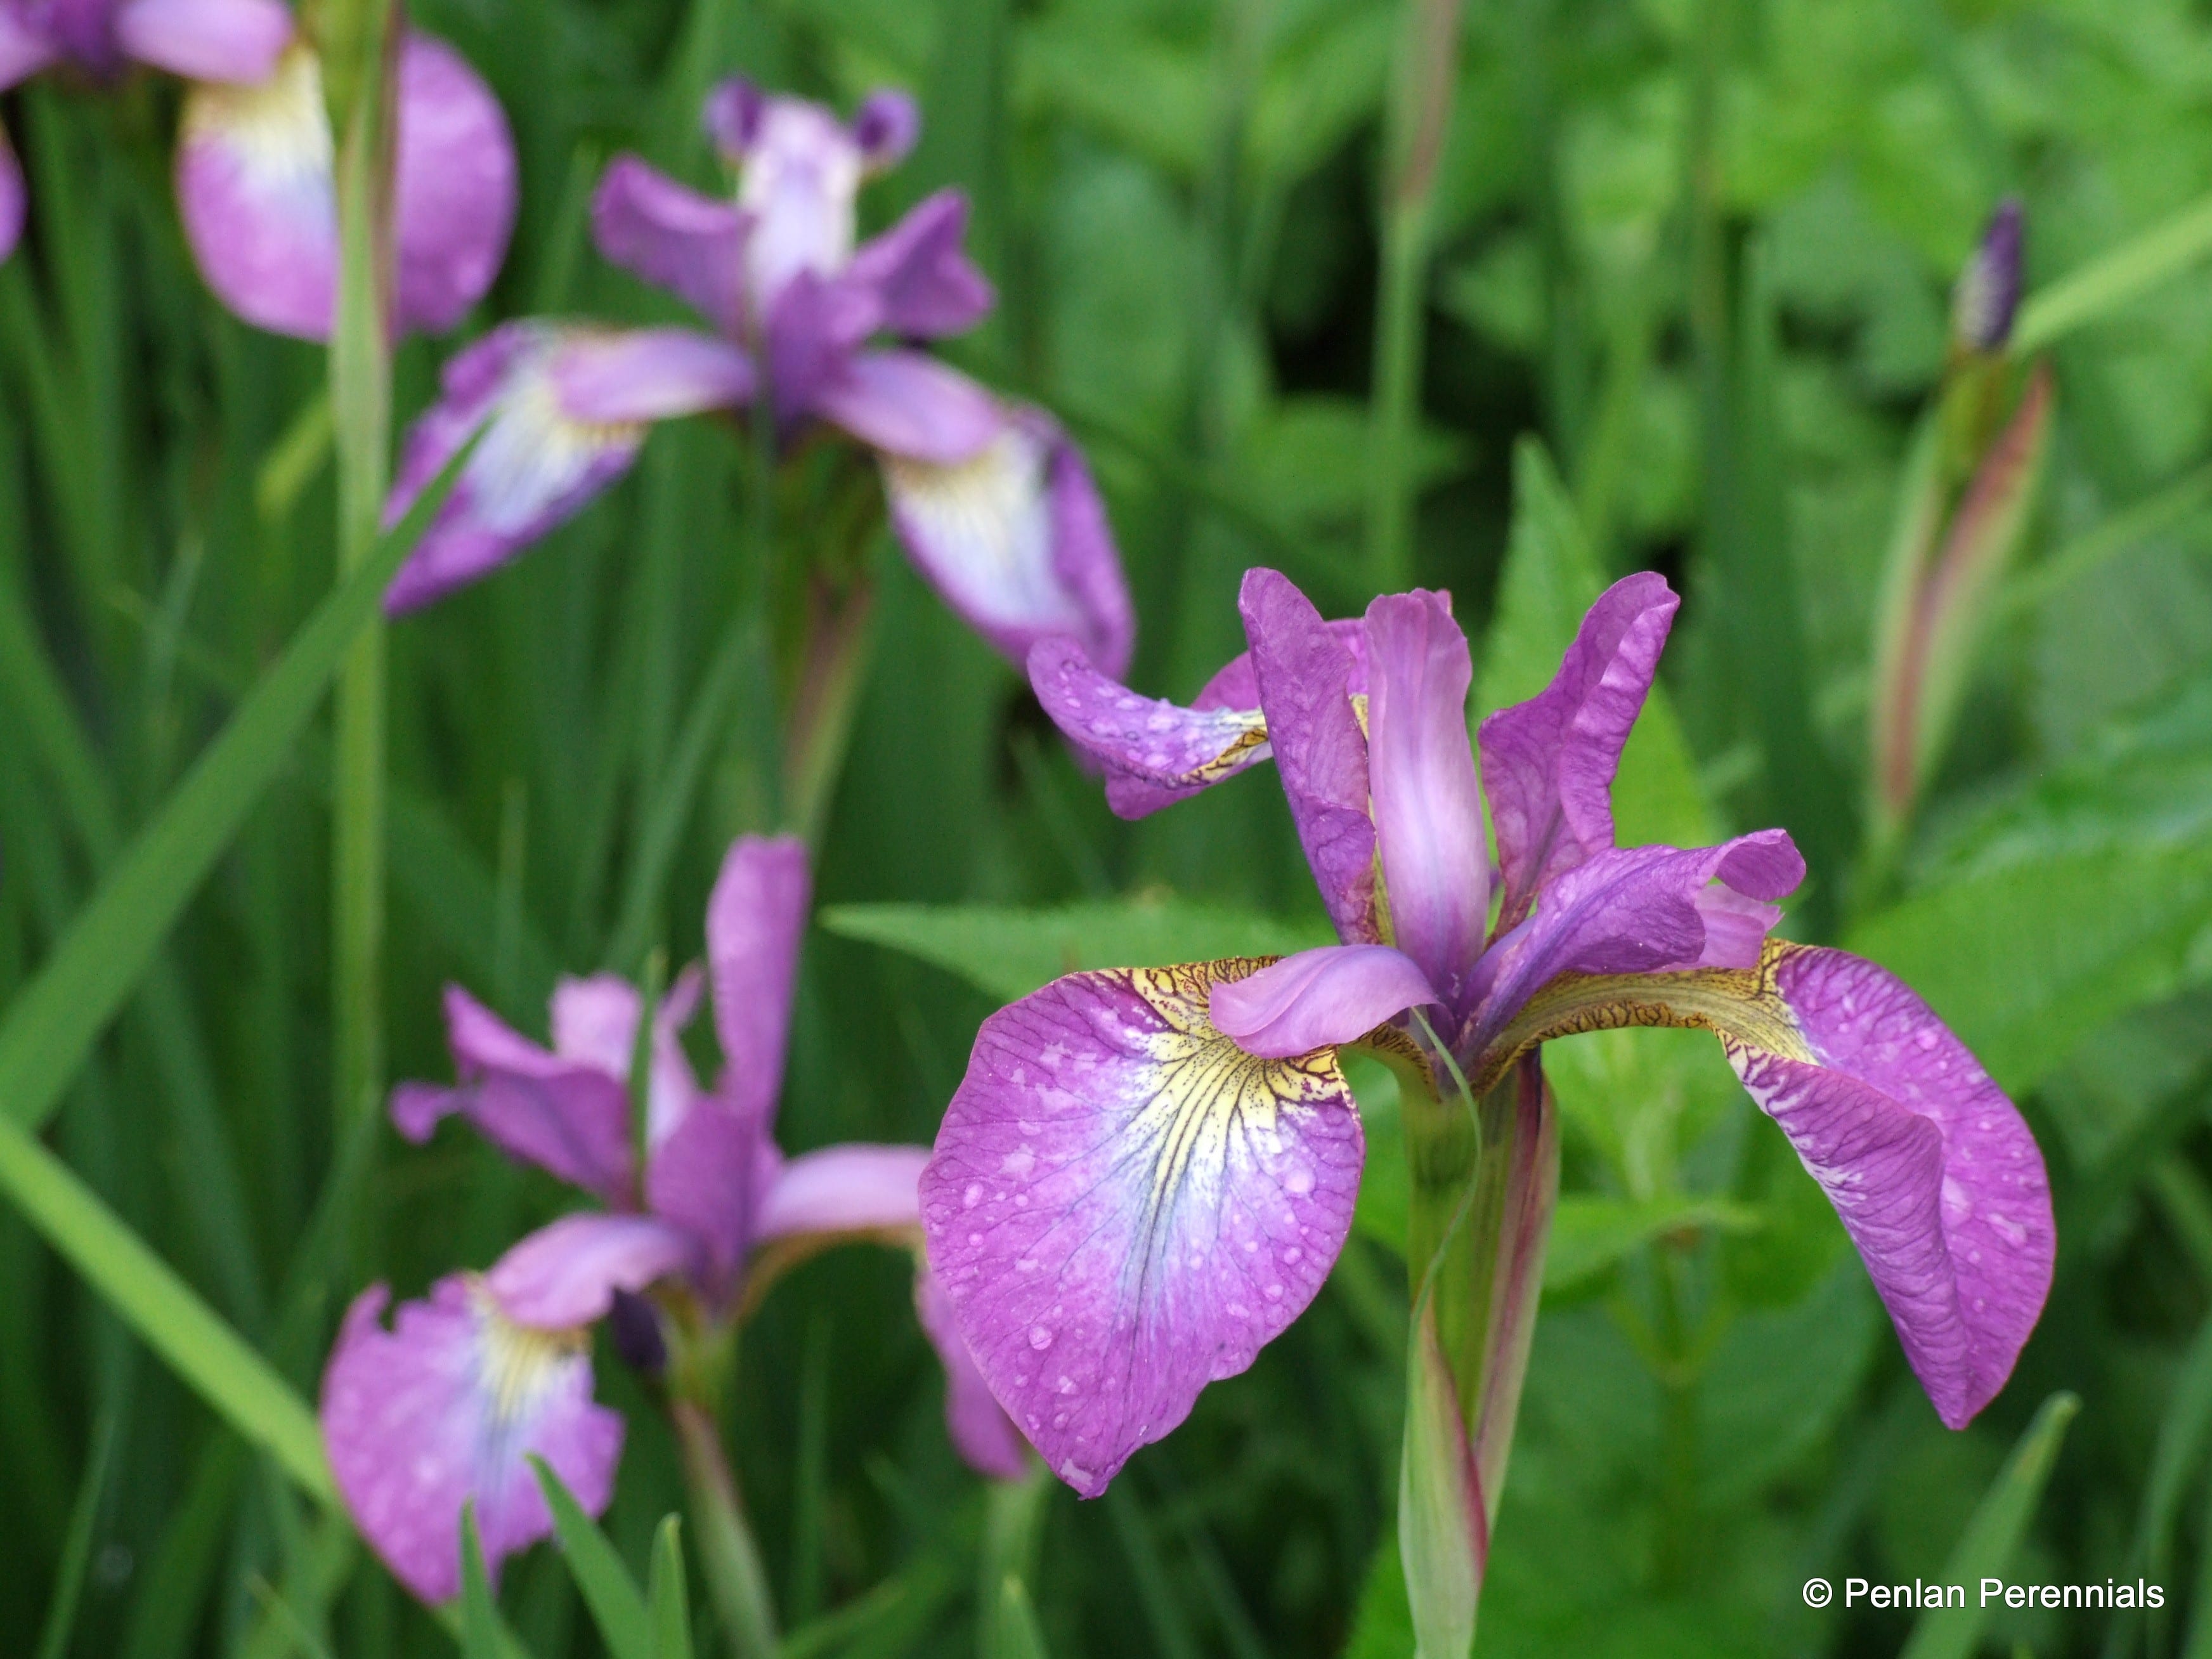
point(1040, 1337)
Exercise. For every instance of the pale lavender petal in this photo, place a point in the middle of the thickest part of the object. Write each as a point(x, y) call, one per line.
point(1153, 753)
point(650, 375)
point(1016, 540)
point(733, 116)
point(924, 284)
point(1124, 1206)
point(25, 49)
point(1548, 763)
point(566, 1275)
point(595, 1023)
point(537, 465)
point(1302, 673)
point(254, 188)
point(674, 237)
point(981, 1431)
point(885, 127)
point(755, 918)
point(915, 408)
point(443, 1410)
point(570, 1119)
point(236, 40)
point(14, 202)
point(1931, 1169)
point(454, 186)
point(799, 173)
point(1427, 802)
point(1735, 926)
point(852, 1188)
point(1634, 911)
point(1318, 999)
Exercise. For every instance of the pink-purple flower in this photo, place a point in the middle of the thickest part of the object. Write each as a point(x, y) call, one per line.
point(444, 1406)
point(1146, 1174)
point(256, 188)
point(811, 330)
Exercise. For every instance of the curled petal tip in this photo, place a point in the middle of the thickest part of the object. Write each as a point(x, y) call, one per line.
point(885, 127)
point(1153, 753)
point(1318, 999)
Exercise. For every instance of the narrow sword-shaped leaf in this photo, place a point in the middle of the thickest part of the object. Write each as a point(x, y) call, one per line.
point(670, 1603)
point(617, 1608)
point(2104, 285)
point(51, 1027)
point(1993, 1535)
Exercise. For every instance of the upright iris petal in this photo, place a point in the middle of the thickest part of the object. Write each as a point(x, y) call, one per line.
point(672, 236)
point(443, 1410)
point(1427, 805)
point(1548, 763)
point(1125, 1207)
point(1015, 539)
point(255, 188)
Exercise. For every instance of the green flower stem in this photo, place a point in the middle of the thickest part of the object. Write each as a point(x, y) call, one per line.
point(1013, 1518)
point(1419, 114)
point(360, 407)
point(737, 1579)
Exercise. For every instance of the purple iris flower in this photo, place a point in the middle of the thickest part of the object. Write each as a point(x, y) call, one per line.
point(226, 41)
point(445, 1405)
point(1146, 1174)
point(255, 186)
point(992, 501)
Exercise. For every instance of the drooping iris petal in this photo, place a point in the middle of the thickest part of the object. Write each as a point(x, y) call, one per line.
point(648, 375)
point(1639, 910)
point(1427, 804)
point(536, 465)
point(1124, 1205)
point(755, 918)
point(1319, 998)
point(236, 40)
point(25, 49)
point(854, 1189)
point(1153, 752)
point(674, 237)
point(1016, 540)
point(565, 1274)
point(569, 1118)
point(980, 1429)
point(1548, 763)
point(1302, 673)
point(254, 188)
point(923, 283)
point(454, 186)
point(15, 200)
point(910, 406)
point(443, 1409)
point(1931, 1167)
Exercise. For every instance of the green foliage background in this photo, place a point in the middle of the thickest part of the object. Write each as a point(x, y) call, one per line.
point(1700, 250)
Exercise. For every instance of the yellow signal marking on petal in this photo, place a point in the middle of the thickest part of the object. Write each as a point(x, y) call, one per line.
point(278, 129)
point(1741, 1006)
point(1209, 1089)
point(989, 514)
point(519, 1363)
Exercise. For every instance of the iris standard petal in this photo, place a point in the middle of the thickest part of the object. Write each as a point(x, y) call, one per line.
point(755, 918)
point(1548, 763)
point(674, 237)
point(885, 127)
point(537, 465)
point(1318, 999)
point(595, 1023)
point(704, 1176)
point(1638, 910)
point(443, 1410)
point(1016, 540)
point(857, 1188)
point(1304, 675)
point(800, 171)
point(236, 40)
point(1124, 1205)
point(980, 1429)
point(1427, 802)
point(1931, 1167)
point(922, 281)
point(25, 49)
point(254, 188)
point(454, 186)
point(1153, 752)
point(565, 1274)
point(569, 1118)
